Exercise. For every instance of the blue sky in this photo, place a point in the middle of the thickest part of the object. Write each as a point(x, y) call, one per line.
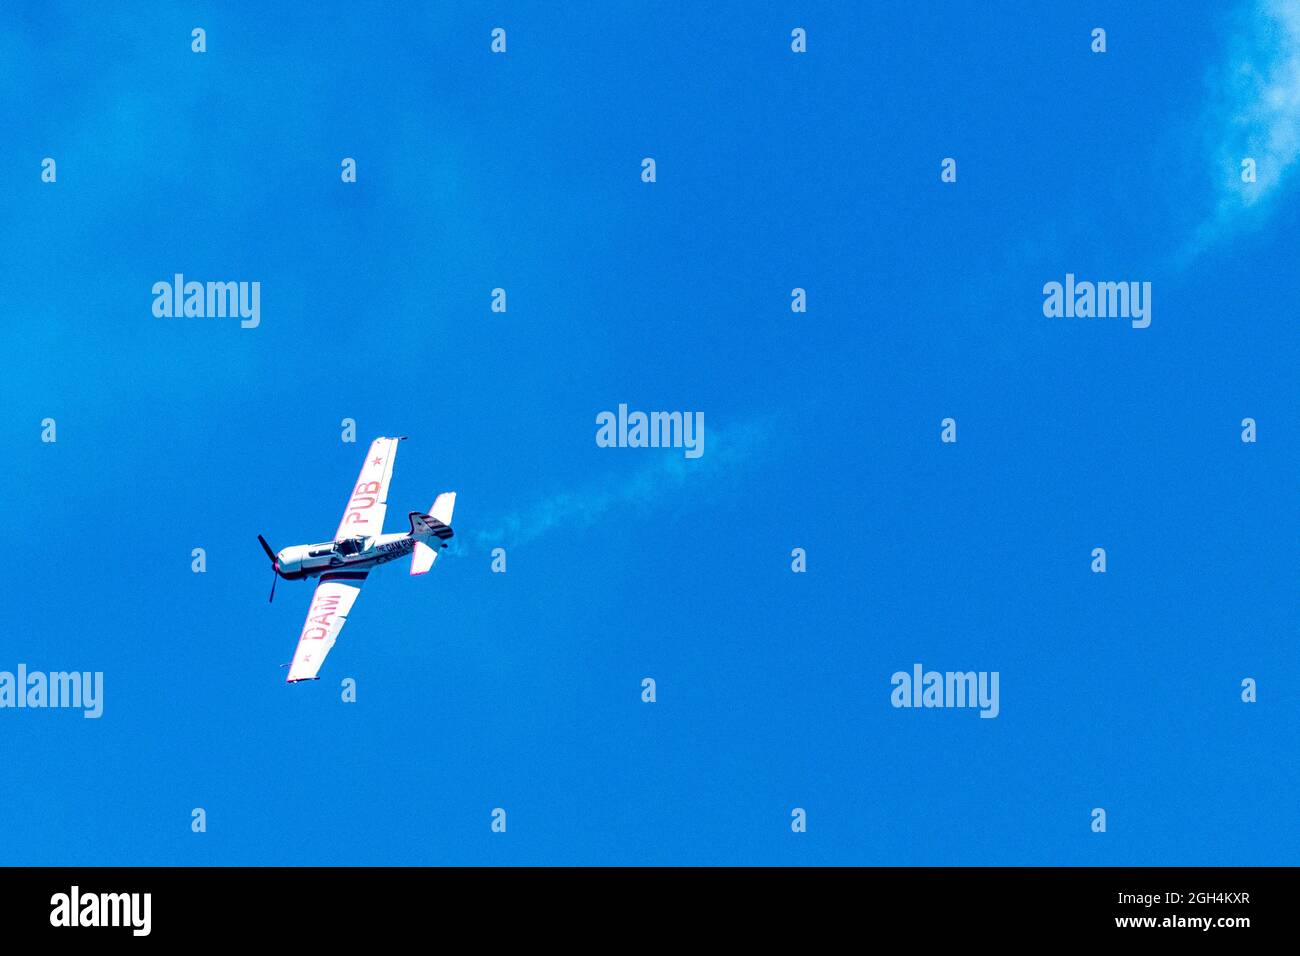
point(774, 171)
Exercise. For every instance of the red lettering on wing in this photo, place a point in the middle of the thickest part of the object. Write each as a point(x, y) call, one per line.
point(322, 610)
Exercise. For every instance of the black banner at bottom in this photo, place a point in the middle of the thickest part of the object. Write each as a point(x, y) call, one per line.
point(338, 905)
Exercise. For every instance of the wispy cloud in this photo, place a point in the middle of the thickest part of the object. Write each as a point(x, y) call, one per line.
point(1256, 114)
point(656, 473)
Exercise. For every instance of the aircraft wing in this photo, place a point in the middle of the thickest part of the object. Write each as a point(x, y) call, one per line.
point(330, 606)
point(364, 515)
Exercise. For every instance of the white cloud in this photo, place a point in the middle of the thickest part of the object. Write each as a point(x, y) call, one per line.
point(1257, 115)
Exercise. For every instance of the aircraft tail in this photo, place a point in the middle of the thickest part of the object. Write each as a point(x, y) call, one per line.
point(431, 532)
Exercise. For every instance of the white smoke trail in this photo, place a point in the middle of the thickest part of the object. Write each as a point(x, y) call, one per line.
point(625, 493)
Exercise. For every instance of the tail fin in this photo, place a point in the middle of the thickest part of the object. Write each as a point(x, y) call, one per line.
point(431, 532)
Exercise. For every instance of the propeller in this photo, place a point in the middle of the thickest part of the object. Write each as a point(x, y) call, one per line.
point(274, 567)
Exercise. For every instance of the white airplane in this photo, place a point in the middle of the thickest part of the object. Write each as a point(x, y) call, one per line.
point(358, 545)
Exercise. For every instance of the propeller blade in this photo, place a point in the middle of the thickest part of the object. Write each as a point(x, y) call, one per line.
point(267, 548)
point(273, 580)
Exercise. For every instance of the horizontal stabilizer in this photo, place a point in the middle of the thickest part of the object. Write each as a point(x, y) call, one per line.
point(443, 506)
point(431, 532)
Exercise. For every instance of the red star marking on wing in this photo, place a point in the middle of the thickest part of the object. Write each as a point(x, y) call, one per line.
point(377, 461)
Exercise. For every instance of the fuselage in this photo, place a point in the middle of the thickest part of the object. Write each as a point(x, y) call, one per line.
point(312, 560)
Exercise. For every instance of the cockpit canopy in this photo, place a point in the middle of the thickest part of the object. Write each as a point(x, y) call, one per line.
point(350, 546)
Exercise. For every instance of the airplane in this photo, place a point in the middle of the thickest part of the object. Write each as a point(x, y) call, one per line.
point(358, 546)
